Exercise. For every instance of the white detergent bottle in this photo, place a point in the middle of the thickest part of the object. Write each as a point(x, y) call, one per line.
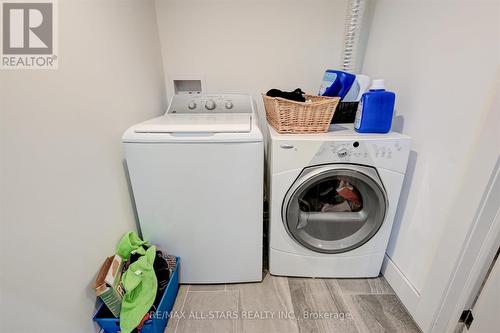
point(359, 87)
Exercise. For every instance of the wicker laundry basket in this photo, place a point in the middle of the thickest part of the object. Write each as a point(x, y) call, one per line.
point(312, 116)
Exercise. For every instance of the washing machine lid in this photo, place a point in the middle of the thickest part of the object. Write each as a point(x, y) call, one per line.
point(199, 129)
point(201, 118)
point(335, 208)
point(197, 123)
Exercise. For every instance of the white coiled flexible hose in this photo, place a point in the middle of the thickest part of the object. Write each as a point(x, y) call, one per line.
point(355, 35)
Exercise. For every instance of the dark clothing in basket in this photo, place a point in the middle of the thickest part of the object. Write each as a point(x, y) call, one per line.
point(296, 95)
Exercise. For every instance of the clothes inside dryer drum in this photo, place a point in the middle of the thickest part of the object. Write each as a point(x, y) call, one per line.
point(334, 195)
point(334, 209)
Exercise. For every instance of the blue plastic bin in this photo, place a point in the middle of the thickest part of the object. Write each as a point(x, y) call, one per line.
point(158, 323)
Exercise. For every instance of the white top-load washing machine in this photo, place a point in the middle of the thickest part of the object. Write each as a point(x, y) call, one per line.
point(197, 179)
point(333, 198)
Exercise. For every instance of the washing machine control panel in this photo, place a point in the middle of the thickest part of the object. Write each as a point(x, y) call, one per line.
point(210, 103)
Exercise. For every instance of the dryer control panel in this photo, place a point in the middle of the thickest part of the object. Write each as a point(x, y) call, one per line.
point(357, 150)
point(382, 152)
point(341, 144)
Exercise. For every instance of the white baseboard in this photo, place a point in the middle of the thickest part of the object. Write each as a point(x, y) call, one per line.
point(408, 295)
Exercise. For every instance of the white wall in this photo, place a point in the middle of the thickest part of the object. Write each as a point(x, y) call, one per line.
point(441, 58)
point(251, 46)
point(486, 317)
point(64, 197)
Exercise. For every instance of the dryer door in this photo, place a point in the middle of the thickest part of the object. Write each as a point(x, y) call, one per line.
point(335, 208)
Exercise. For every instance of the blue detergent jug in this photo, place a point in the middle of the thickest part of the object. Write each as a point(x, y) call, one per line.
point(336, 83)
point(375, 110)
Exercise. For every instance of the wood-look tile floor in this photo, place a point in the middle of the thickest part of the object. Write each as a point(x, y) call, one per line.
point(290, 305)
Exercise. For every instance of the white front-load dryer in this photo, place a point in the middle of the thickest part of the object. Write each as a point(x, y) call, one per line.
point(333, 198)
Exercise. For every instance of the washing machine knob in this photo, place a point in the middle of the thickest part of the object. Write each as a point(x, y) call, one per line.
point(192, 105)
point(342, 152)
point(229, 105)
point(210, 104)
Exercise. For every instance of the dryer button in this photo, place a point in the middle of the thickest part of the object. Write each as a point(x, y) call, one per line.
point(342, 153)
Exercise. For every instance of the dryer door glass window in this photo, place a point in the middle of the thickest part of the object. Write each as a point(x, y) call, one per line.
point(335, 210)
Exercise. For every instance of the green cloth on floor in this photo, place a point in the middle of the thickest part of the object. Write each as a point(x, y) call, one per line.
point(130, 242)
point(140, 284)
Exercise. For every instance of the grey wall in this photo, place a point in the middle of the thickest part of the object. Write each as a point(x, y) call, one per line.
point(442, 60)
point(251, 46)
point(63, 193)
